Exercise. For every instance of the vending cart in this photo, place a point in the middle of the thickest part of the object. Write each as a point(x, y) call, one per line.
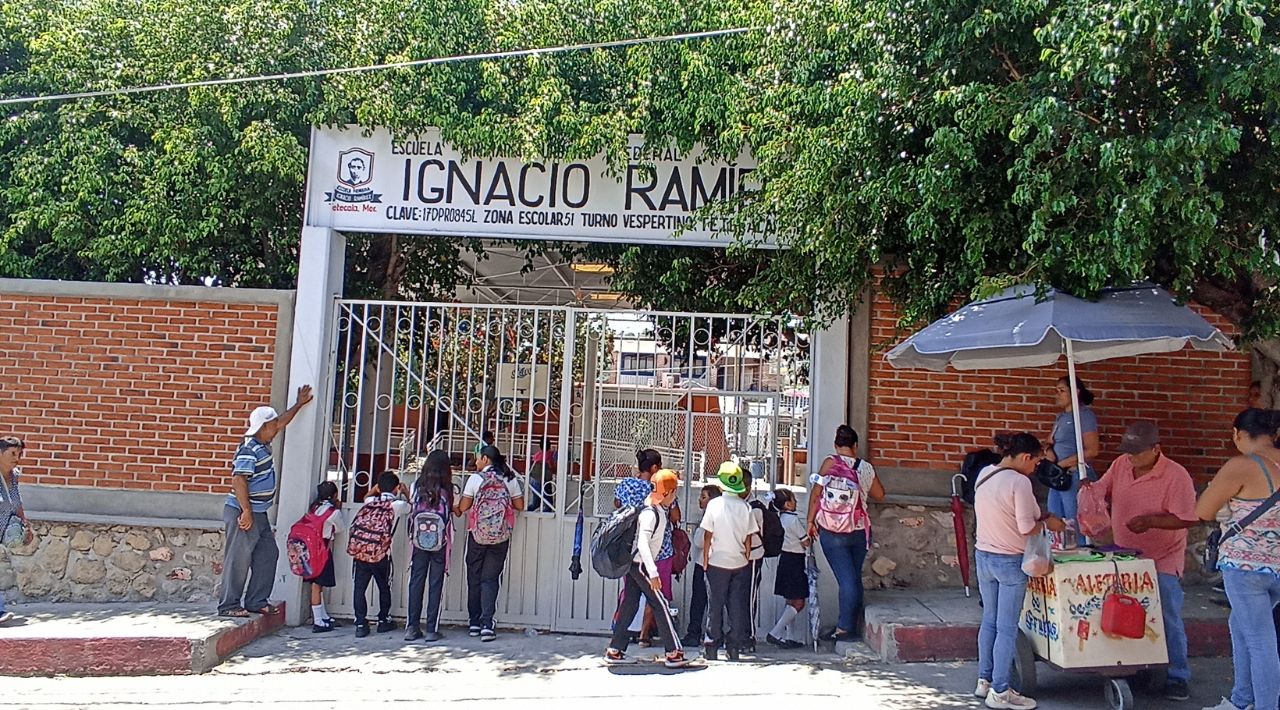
point(1095, 613)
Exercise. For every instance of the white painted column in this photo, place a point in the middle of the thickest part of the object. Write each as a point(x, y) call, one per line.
point(303, 455)
point(829, 372)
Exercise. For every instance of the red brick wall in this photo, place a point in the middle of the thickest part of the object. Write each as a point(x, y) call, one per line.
point(126, 393)
point(924, 419)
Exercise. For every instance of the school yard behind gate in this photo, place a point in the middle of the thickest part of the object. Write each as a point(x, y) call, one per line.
point(131, 399)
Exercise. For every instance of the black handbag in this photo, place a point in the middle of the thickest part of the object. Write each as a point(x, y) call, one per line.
point(1053, 475)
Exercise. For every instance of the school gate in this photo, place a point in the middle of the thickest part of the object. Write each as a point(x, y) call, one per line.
point(406, 378)
point(594, 386)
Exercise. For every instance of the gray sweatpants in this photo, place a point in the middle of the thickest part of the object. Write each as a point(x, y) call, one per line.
point(248, 555)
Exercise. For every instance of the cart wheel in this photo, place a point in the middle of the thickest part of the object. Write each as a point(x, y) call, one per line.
point(1119, 696)
point(1024, 665)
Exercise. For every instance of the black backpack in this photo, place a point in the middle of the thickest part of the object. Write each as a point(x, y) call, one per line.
point(613, 544)
point(772, 534)
point(974, 462)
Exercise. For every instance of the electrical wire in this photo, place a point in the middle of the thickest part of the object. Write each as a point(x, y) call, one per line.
point(562, 49)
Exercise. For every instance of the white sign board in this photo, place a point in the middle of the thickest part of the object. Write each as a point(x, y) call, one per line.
point(421, 185)
point(523, 381)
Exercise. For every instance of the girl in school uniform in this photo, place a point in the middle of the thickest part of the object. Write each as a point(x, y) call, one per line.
point(327, 503)
point(791, 583)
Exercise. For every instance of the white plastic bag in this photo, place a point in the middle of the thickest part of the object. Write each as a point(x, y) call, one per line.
point(1037, 560)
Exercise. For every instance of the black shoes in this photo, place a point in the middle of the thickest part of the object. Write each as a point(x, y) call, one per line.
point(385, 625)
point(362, 630)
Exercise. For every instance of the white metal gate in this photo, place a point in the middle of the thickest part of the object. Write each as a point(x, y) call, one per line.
point(570, 396)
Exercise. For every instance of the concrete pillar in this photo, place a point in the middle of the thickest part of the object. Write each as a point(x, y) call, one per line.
point(829, 373)
point(303, 455)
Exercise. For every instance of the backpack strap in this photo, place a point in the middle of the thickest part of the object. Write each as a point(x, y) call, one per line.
point(990, 476)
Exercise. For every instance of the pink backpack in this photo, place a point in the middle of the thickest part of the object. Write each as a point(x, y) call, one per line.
point(843, 506)
point(491, 516)
point(369, 539)
point(306, 547)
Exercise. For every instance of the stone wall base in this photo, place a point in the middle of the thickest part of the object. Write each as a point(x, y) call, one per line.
point(106, 563)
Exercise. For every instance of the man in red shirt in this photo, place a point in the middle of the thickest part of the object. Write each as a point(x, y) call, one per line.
point(1146, 487)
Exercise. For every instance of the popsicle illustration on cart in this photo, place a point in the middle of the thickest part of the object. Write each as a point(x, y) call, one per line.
point(1110, 608)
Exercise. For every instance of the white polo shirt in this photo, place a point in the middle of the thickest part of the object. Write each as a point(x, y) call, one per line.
point(729, 520)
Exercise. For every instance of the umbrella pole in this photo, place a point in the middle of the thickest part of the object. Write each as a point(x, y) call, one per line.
point(1075, 408)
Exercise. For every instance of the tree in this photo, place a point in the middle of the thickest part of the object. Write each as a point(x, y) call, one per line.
point(166, 187)
point(958, 145)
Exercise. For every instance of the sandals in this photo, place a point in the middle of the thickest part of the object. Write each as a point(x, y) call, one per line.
point(236, 613)
point(266, 610)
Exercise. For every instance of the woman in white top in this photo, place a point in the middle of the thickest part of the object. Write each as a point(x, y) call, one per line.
point(643, 578)
point(791, 582)
point(838, 519)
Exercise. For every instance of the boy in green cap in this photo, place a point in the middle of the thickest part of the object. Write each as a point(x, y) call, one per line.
point(727, 527)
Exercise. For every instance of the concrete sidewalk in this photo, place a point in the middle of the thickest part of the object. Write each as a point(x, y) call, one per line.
point(337, 670)
point(123, 639)
point(904, 626)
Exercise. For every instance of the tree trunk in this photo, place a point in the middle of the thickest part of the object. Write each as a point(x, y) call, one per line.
point(1265, 387)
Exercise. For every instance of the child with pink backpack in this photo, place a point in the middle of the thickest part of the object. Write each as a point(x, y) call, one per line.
point(838, 518)
point(310, 550)
point(490, 499)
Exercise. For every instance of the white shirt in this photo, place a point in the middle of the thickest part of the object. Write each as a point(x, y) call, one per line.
point(794, 532)
point(651, 527)
point(399, 506)
point(475, 480)
point(334, 524)
point(729, 520)
point(866, 474)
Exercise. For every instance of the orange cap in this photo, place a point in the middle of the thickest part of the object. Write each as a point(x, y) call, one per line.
point(664, 482)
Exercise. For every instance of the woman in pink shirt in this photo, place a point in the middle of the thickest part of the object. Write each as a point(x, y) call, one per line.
point(1006, 511)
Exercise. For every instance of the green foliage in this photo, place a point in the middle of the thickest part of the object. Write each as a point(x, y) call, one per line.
point(961, 145)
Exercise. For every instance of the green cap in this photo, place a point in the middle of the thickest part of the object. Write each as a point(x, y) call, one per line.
point(732, 478)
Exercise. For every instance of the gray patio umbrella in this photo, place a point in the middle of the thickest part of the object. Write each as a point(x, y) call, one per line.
point(1015, 329)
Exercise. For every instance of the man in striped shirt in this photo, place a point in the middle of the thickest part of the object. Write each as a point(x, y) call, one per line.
point(250, 552)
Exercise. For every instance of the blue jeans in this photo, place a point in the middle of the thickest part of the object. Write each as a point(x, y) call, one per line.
point(1, 603)
point(1175, 634)
point(1063, 503)
point(846, 552)
point(1253, 595)
point(1003, 587)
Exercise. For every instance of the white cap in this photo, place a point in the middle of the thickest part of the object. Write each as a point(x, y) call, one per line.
point(260, 416)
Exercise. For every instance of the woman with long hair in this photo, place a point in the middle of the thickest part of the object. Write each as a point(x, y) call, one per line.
point(432, 498)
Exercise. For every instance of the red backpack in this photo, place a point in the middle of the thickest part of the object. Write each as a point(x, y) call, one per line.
point(369, 539)
point(306, 547)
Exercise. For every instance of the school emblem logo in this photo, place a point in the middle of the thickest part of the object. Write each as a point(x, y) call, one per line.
point(355, 173)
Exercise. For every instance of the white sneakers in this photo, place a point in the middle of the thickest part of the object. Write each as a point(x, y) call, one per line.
point(984, 687)
point(1009, 700)
point(6, 617)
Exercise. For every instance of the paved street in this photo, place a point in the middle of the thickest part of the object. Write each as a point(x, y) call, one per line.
point(297, 668)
